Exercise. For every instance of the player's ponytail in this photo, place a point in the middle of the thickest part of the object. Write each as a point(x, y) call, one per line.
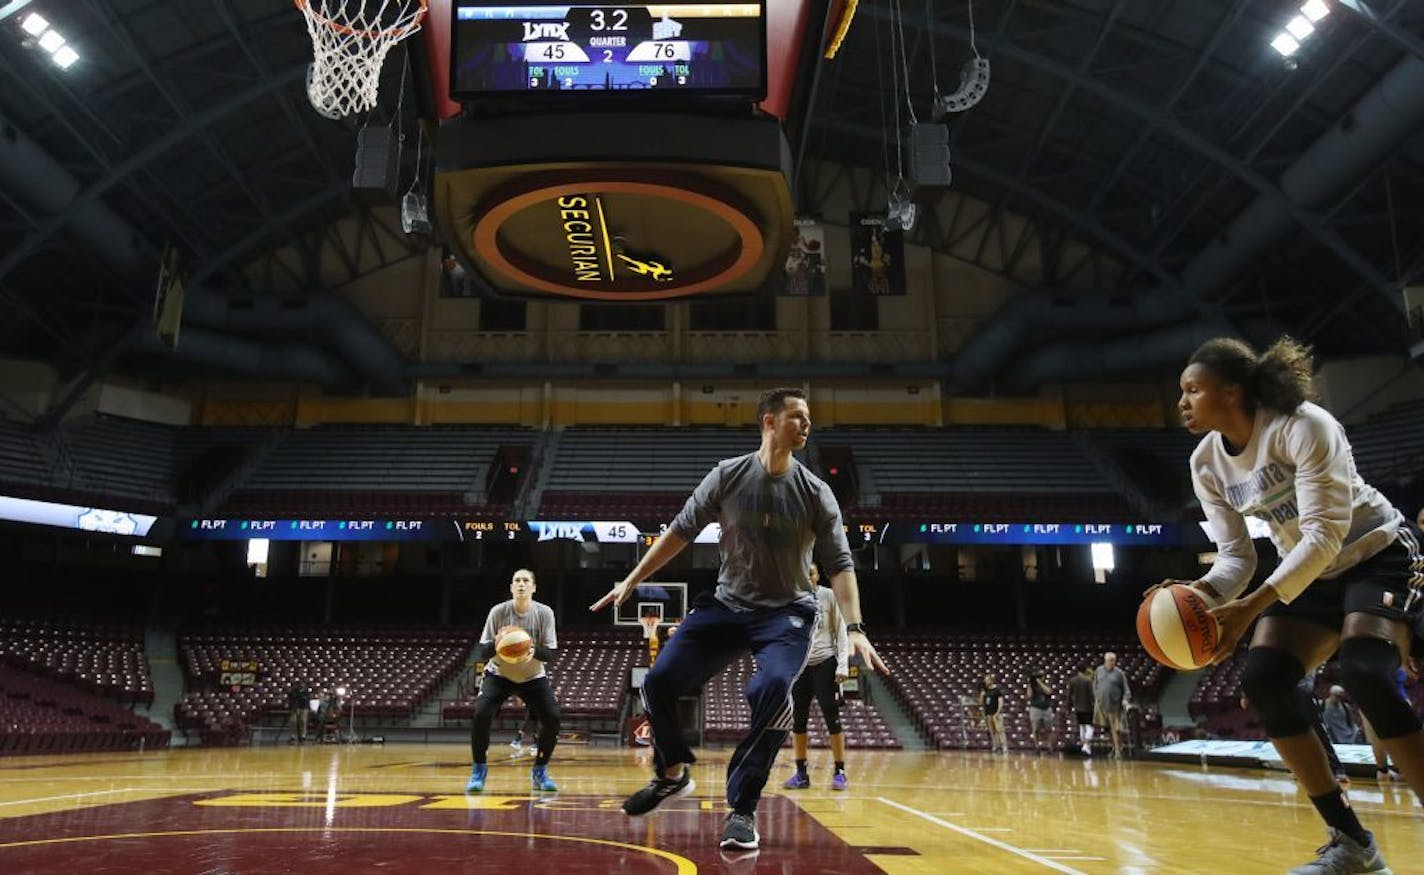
point(1285, 376)
point(1281, 378)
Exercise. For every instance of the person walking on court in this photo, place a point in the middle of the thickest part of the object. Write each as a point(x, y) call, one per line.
point(1111, 695)
point(1080, 696)
point(524, 677)
point(1350, 577)
point(1040, 711)
point(827, 667)
point(991, 701)
point(774, 514)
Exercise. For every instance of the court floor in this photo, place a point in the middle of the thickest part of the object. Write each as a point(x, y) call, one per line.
point(401, 808)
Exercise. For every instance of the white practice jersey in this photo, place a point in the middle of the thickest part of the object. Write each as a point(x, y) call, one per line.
point(1298, 475)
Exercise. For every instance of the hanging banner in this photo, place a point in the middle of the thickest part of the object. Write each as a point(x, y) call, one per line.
point(805, 273)
point(877, 256)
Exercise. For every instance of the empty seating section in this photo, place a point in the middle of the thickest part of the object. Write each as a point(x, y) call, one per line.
point(105, 660)
point(591, 680)
point(1156, 458)
point(726, 714)
point(995, 474)
point(41, 716)
point(634, 506)
point(121, 458)
point(935, 675)
point(432, 459)
point(312, 504)
point(397, 471)
point(633, 460)
point(968, 460)
point(22, 460)
point(388, 673)
point(1216, 701)
point(1390, 445)
point(997, 507)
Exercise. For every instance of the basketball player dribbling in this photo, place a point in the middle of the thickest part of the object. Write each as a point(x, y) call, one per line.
point(1350, 577)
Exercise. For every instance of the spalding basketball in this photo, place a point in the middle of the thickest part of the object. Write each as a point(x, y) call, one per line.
point(1174, 625)
point(514, 645)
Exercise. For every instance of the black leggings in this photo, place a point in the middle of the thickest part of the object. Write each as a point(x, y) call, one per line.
point(538, 694)
point(819, 679)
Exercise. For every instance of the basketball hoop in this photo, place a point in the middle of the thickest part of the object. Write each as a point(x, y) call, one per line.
point(350, 43)
point(650, 625)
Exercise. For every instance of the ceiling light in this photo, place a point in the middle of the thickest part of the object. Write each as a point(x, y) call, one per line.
point(65, 57)
point(1299, 27)
point(1285, 44)
point(1315, 9)
point(34, 24)
point(51, 41)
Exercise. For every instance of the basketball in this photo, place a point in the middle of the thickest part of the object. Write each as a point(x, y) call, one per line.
point(514, 645)
point(1175, 627)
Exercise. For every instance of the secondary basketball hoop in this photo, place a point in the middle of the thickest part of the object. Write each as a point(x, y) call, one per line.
point(350, 39)
point(650, 625)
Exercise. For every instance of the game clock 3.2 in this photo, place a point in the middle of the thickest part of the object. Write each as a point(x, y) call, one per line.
point(696, 47)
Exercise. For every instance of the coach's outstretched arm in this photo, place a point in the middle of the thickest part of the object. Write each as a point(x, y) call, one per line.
point(661, 553)
point(847, 591)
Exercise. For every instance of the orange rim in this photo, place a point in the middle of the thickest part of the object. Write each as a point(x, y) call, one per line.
point(365, 34)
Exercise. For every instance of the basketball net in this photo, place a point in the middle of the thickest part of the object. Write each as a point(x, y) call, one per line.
point(650, 633)
point(349, 43)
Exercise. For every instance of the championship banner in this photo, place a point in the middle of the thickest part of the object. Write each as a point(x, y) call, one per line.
point(877, 256)
point(805, 272)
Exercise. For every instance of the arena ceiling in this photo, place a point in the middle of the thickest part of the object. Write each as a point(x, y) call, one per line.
point(1223, 183)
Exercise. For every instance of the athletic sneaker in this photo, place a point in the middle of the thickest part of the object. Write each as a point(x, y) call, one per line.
point(1343, 855)
point(798, 781)
point(740, 832)
point(658, 791)
point(477, 778)
point(839, 782)
point(541, 782)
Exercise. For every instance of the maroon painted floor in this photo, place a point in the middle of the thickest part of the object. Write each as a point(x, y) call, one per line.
point(291, 832)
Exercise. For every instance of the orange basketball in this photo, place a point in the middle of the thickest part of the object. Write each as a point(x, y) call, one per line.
point(514, 645)
point(1174, 626)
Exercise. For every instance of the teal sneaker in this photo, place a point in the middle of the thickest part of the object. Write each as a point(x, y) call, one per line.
point(477, 778)
point(541, 782)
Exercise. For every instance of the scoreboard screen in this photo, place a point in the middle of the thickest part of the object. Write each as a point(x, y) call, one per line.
point(680, 46)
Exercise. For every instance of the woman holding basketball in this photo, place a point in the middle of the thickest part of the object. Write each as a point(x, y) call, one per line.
point(522, 675)
point(1350, 577)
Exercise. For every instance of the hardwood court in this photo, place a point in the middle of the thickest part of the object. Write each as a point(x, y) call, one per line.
point(400, 808)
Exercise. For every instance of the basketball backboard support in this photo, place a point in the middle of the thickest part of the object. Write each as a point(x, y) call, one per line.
point(666, 601)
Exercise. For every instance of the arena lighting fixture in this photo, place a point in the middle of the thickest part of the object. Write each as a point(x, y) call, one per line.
point(34, 24)
point(1285, 44)
point(1299, 27)
point(51, 40)
point(1315, 10)
point(65, 57)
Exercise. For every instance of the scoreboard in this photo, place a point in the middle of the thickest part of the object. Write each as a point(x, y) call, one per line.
point(682, 46)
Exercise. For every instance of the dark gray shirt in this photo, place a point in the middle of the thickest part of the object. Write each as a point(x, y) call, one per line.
point(770, 527)
point(1110, 688)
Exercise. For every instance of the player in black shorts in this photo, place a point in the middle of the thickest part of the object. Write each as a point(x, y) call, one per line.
point(1350, 577)
point(991, 696)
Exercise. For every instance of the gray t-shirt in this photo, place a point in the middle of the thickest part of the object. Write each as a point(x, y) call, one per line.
point(770, 526)
point(1109, 688)
point(539, 623)
point(1339, 725)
